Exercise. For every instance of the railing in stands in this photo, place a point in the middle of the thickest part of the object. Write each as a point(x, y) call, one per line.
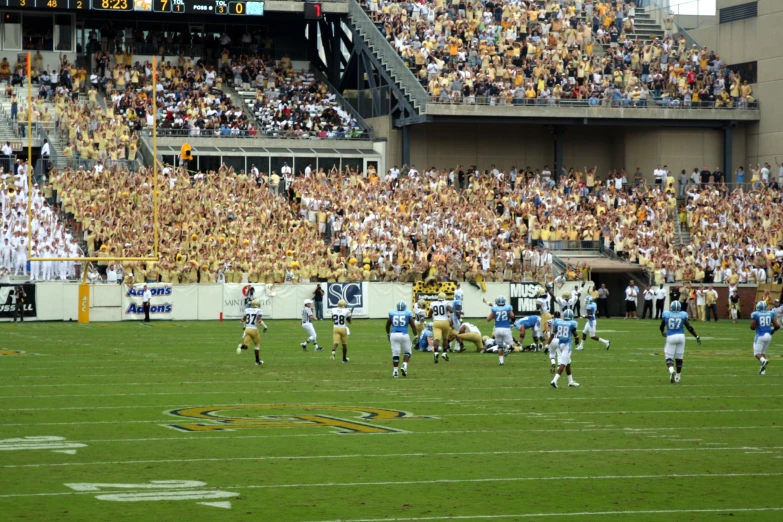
point(653, 103)
point(178, 133)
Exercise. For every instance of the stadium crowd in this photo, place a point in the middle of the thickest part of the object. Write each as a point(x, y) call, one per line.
point(528, 52)
point(457, 224)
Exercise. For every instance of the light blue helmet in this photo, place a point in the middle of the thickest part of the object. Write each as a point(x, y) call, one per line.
point(501, 300)
point(518, 324)
point(761, 306)
point(402, 306)
point(568, 315)
point(676, 306)
point(589, 300)
point(428, 326)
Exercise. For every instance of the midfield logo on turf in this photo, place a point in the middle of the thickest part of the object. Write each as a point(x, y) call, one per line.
point(12, 353)
point(266, 416)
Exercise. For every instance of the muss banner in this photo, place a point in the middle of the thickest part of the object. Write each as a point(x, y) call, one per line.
point(523, 297)
point(354, 295)
point(7, 303)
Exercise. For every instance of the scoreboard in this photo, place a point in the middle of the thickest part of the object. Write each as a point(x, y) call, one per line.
point(204, 7)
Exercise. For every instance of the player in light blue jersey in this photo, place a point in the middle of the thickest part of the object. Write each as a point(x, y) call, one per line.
point(400, 319)
point(530, 322)
point(590, 310)
point(564, 329)
point(673, 326)
point(425, 339)
point(503, 315)
point(456, 322)
point(765, 324)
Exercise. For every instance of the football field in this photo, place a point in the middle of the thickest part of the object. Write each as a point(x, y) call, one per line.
point(130, 422)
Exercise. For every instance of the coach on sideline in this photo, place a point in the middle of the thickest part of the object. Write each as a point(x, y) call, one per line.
point(145, 300)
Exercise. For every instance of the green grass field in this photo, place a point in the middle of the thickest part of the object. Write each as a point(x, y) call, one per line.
point(475, 441)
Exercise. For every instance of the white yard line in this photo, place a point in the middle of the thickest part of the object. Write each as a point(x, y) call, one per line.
point(415, 482)
point(377, 455)
point(563, 514)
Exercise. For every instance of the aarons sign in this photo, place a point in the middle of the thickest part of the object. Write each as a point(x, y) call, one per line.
point(161, 303)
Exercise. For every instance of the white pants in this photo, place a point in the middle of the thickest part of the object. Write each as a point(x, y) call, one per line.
point(503, 337)
point(400, 344)
point(761, 343)
point(675, 346)
point(589, 328)
point(563, 354)
point(310, 331)
point(553, 348)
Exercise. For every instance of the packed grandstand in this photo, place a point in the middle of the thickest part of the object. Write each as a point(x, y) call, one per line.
point(451, 223)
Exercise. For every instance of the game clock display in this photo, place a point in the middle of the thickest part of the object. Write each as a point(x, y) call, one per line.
point(206, 7)
point(111, 5)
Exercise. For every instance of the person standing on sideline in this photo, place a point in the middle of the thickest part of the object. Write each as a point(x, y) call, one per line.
point(318, 300)
point(145, 301)
point(701, 304)
point(649, 294)
point(631, 293)
point(660, 301)
point(18, 298)
point(711, 297)
point(603, 302)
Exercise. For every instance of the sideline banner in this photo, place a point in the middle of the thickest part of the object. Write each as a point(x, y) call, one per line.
point(355, 296)
point(7, 303)
point(523, 297)
point(161, 304)
point(429, 293)
point(234, 295)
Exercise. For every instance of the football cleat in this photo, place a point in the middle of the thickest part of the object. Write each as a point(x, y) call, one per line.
point(259, 363)
point(554, 384)
point(581, 346)
point(239, 349)
point(763, 372)
point(304, 346)
point(672, 377)
point(676, 377)
point(500, 364)
point(763, 368)
point(608, 344)
point(404, 372)
point(395, 374)
point(445, 357)
point(552, 368)
point(345, 360)
point(436, 357)
point(319, 348)
point(332, 356)
point(573, 384)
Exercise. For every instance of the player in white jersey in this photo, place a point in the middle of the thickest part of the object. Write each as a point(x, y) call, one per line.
point(341, 318)
point(469, 332)
point(252, 318)
point(419, 315)
point(441, 329)
point(553, 344)
point(544, 304)
point(307, 324)
point(398, 326)
point(568, 301)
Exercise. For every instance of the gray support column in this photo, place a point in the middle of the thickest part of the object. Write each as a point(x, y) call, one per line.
point(336, 58)
point(728, 159)
point(406, 145)
point(559, 131)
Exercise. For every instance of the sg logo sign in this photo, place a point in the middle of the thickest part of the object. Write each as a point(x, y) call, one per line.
point(265, 416)
point(351, 293)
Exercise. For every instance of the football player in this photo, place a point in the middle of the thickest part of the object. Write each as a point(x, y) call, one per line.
point(439, 311)
point(469, 332)
point(425, 343)
point(530, 322)
point(563, 330)
point(252, 318)
point(397, 326)
point(307, 324)
point(503, 315)
point(568, 301)
point(420, 314)
point(544, 306)
point(551, 348)
point(765, 324)
point(673, 326)
point(455, 319)
point(590, 309)
point(341, 318)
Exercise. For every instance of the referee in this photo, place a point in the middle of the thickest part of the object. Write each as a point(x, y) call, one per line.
point(145, 300)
